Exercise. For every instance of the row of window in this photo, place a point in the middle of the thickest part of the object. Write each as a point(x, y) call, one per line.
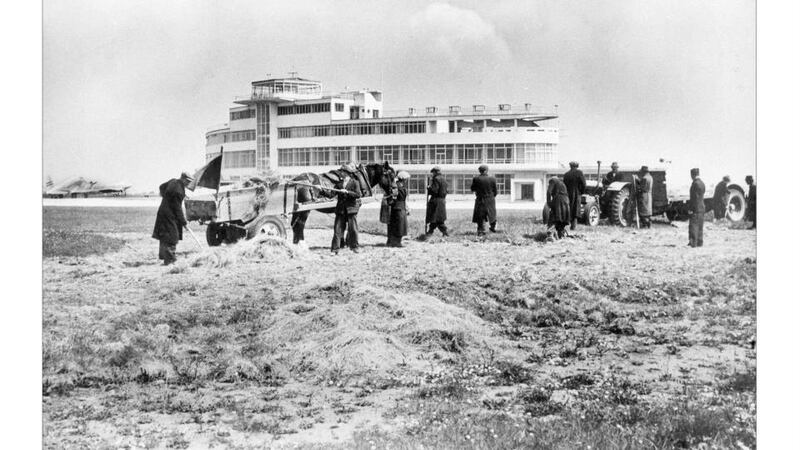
point(226, 136)
point(313, 156)
point(236, 160)
point(246, 114)
point(421, 154)
point(458, 183)
point(353, 129)
point(305, 109)
point(505, 153)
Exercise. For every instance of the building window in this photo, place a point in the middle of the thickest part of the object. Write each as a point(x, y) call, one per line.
point(339, 107)
point(469, 153)
point(236, 160)
point(499, 153)
point(414, 154)
point(304, 109)
point(246, 114)
point(418, 183)
point(246, 135)
point(503, 183)
point(313, 156)
point(375, 113)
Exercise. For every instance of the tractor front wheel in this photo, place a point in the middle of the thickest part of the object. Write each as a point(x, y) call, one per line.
point(592, 215)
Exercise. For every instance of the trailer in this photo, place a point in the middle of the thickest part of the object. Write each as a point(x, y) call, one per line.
point(260, 207)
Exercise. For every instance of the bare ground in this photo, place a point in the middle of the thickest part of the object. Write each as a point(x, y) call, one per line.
point(615, 338)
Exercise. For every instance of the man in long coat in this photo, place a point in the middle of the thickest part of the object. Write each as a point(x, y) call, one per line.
point(751, 200)
point(485, 189)
point(436, 211)
point(558, 202)
point(721, 197)
point(398, 221)
point(169, 218)
point(645, 196)
point(697, 209)
point(576, 183)
point(347, 206)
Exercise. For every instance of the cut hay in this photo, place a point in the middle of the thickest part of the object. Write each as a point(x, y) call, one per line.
point(260, 248)
point(371, 331)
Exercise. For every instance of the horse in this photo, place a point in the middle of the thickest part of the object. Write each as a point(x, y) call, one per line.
point(369, 176)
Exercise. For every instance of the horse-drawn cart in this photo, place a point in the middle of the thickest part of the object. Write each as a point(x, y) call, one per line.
point(243, 213)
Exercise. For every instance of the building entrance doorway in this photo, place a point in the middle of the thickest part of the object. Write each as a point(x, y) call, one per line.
point(526, 191)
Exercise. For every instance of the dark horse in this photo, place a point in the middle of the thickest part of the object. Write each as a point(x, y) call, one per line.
point(368, 176)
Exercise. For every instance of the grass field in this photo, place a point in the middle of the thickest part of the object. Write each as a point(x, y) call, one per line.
point(614, 338)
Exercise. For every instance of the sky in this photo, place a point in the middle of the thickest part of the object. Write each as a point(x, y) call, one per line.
point(130, 87)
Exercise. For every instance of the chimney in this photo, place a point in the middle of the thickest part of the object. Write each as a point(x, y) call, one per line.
point(455, 110)
point(478, 108)
point(430, 110)
point(412, 112)
point(504, 107)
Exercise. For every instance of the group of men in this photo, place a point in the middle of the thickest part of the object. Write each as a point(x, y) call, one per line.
point(563, 202)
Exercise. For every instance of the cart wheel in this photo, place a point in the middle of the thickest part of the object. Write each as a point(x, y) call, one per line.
point(271, 226)
point(214, 235)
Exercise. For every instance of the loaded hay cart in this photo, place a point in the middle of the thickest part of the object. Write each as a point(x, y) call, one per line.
point(260, 207)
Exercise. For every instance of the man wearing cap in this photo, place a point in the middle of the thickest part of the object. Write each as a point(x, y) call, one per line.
point(347, 206)
point(485, 189)
point(170, 219)
point(435, 211)
point(721, 196)
point(398, 222)
point(613, 175)
point(645, 196)
point(576, 183)
point(697, 209)
point(751, 200)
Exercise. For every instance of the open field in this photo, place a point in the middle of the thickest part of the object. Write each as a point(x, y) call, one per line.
point(615, 338)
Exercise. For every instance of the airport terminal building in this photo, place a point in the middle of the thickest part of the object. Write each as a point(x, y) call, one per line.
point(290, 126)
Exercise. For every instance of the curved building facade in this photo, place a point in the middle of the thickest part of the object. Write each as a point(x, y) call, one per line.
point(289, 126)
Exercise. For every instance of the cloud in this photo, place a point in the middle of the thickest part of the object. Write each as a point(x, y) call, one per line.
point(458, 35)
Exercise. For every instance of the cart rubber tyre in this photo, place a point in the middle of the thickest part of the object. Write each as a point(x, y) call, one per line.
point(214, 236)
point(736, 205)
point(619, 207)
point(591, 216)
point(269, 225)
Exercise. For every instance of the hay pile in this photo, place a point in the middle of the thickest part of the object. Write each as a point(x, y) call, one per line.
point(260, 248)
point(338, 330)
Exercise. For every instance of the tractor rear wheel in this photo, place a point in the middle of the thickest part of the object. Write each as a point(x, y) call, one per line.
point(736, 205)
point(620, 207)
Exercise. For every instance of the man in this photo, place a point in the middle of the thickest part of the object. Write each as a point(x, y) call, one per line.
point(558, 202)
point(697, 209)
point(347, 206)
point(721, 199)
point(435, 211)
point(751, 200)
point(170, 219)
point(576, 183)
point(613, 175)
point(397, 226)
point(485, 189)
point(645, 197)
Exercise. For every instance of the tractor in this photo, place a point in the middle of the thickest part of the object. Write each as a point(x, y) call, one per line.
point(612, 202)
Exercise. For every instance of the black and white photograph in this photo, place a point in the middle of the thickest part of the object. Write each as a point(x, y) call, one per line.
point(403, 225)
